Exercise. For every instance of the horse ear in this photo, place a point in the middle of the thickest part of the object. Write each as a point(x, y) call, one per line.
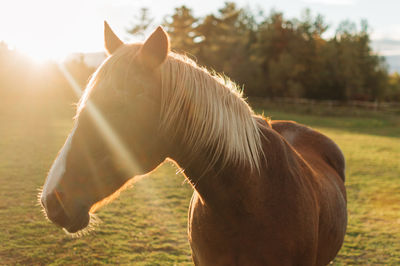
point(111, 41)
point(155, 49)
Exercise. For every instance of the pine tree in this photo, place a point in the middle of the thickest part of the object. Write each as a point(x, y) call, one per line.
point(141, 23)
point(181, 27)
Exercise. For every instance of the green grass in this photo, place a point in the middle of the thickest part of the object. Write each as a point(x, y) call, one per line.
point(147, 224)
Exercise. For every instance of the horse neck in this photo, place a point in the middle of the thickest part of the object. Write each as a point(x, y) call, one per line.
point(216, 183)
point(208, 181)
point(209, 128)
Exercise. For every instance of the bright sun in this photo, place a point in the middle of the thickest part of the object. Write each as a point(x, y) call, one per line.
point(43, 54)
point(50, 30)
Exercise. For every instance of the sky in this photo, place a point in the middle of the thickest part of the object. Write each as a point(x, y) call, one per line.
point(52, 29)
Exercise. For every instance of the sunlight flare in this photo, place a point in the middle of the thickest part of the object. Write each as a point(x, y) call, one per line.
point(115, 143)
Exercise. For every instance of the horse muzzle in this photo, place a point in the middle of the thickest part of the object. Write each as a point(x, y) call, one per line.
point(72, 219)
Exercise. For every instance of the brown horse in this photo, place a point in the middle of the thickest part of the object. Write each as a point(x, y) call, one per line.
point(265, 193)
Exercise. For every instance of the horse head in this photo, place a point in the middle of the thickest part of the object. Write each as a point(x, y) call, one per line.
point(115, 134)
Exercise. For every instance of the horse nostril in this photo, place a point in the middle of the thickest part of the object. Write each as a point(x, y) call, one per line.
point(52, 203)
point(55, 209)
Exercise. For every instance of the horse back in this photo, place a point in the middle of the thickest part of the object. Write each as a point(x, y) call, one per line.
point(311, 144)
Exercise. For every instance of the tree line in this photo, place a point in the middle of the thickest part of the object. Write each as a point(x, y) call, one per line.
point(270, 55)
point(273, 56)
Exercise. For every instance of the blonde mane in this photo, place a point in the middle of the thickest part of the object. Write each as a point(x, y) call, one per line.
point(207, 111)
point(204, 111)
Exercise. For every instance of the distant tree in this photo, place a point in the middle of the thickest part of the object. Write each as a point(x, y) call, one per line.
point(4, 55)
point(226, 40)
point(393, 91)
point(79, 69)
point(362, 74)
point(182, 27)
point(278, 49)
point(141, 22)
point(23, 80)
point(278, 57)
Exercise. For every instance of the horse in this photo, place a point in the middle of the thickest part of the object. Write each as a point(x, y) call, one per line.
point(265, 192)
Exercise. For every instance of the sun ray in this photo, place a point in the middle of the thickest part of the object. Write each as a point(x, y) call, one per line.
point(115, 143)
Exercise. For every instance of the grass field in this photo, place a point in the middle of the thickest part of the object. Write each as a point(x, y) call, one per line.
point(147, 224)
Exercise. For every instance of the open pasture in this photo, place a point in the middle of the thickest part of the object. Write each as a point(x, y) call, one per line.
point(146, 225)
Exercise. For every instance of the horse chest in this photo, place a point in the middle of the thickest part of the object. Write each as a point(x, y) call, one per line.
point(217, 240)
point(208, 236)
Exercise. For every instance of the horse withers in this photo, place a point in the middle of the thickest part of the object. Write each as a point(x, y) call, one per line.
point(265, 193)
